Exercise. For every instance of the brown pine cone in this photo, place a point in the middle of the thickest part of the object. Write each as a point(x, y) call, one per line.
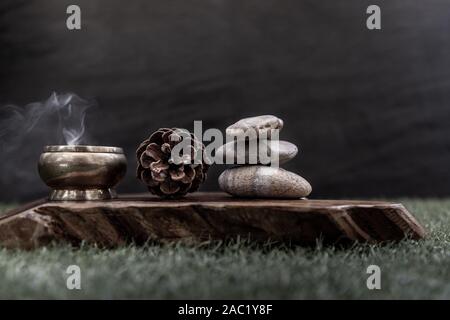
point(163, 175)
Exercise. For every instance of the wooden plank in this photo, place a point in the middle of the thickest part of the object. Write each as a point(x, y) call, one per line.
point(22, 208)
point(203, 216)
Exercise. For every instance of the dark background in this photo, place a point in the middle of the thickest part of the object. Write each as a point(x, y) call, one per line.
point(368, 109)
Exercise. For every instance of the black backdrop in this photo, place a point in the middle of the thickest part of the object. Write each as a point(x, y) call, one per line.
point(369, 109)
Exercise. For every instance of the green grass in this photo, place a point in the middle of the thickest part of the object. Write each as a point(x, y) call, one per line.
point(410, 269)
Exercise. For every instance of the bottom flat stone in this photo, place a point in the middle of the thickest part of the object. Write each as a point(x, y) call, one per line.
point(203, 216)
point(263, 182)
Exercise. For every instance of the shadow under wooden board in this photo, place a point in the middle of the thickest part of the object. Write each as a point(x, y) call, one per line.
point(203, 216)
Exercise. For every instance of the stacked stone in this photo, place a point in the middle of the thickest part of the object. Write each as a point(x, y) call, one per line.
point(261, 180)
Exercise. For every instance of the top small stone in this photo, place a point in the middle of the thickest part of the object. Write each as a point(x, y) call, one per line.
point(262, 126)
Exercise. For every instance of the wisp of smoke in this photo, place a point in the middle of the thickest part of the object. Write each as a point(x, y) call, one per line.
point(64, 114)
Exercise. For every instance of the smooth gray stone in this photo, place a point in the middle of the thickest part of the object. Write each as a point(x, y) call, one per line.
point(284, 150)
point(263, 182)
point(261, 124)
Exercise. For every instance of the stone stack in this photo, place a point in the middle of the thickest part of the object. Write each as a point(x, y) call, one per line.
point(261, 180)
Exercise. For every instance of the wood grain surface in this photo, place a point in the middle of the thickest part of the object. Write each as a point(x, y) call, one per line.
point(203, 216)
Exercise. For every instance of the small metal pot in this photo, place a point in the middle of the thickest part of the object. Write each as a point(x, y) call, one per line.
point(82, 172)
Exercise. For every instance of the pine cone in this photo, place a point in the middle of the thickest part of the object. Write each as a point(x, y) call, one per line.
point(163, 175)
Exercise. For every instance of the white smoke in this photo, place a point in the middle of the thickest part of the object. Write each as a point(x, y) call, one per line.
point(61, 115)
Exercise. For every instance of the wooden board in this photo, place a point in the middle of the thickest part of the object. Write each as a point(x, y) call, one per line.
point(204, 216)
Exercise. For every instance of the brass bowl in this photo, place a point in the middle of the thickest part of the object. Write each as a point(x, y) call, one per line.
point(82, 172)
